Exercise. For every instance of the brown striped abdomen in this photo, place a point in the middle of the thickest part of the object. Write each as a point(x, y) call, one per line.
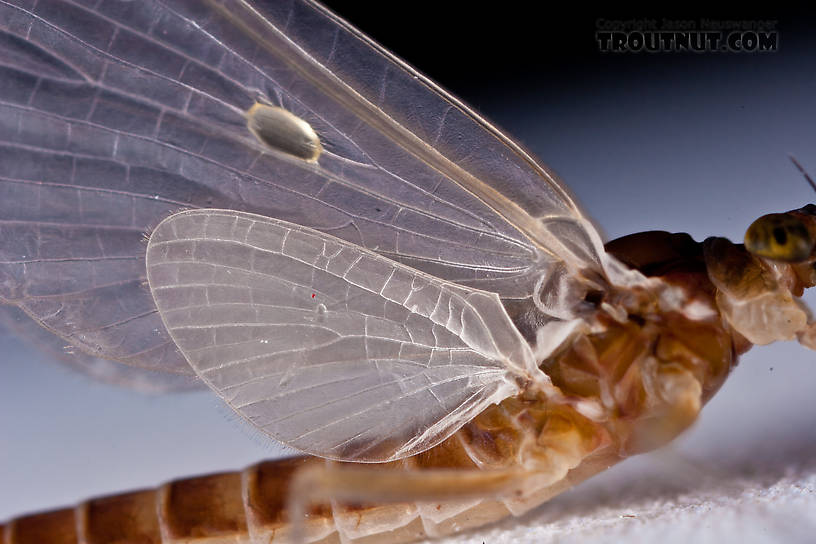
point(250, 506)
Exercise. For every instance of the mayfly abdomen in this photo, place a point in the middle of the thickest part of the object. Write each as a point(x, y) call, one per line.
point(251, 506)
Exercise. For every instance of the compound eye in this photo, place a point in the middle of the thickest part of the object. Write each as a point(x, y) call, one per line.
point(781, 237)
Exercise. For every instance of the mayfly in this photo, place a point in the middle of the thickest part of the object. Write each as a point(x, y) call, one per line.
point(357, 263)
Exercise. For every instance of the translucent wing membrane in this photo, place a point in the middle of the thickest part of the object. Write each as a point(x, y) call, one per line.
point(330, 348)
point(15, 323)
point(115, 114)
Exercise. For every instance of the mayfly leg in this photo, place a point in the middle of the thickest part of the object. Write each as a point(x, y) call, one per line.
point(343, 485)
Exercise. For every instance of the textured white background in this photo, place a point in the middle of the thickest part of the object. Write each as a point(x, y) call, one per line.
point(701, 148)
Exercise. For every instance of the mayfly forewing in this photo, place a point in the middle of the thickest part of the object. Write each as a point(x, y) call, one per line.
point(118, 117)
point(331, 349)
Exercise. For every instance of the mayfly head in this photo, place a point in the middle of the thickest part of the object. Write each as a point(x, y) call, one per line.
point(760, 290)
point(788, 237)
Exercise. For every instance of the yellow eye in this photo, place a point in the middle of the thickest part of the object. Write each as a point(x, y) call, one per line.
point(779, 236)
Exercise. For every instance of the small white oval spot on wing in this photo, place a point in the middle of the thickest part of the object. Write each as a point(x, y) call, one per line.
point(284, 131)
point(329, 348)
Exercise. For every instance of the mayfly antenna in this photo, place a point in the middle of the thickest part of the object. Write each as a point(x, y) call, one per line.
point(804, 172)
